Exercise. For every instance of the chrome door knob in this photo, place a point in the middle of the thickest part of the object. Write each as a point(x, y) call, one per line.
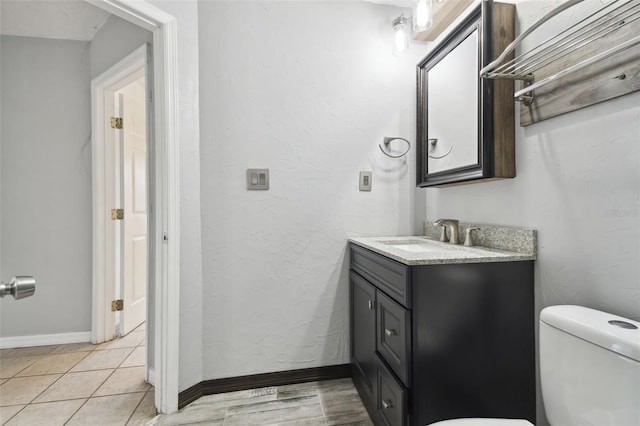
point(19, 287)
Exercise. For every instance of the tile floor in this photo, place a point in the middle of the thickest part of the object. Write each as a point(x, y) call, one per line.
point(331, 402)
point(76, 384)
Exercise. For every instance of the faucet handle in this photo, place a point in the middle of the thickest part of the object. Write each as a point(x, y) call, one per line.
point(443, 234)
point(468, 238)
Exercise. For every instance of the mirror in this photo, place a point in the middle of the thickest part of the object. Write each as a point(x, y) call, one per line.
point(452, 88)
point(456, 136)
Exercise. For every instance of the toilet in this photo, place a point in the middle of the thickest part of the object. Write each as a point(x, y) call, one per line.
point(589, 370)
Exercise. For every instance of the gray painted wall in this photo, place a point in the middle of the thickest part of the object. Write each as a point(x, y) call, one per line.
point(46, 172)
point(46, 184)
point(115, 40)
point(308, 90)
point(578, 184)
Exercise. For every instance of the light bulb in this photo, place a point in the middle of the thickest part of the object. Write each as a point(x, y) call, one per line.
point(400, 36)
point(422, 15)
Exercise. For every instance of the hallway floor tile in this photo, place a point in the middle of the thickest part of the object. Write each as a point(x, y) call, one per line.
point(76, 384)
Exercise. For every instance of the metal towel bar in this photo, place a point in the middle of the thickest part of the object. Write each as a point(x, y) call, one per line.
point(600, 24)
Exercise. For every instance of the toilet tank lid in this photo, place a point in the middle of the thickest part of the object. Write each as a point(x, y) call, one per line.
point(595, 327)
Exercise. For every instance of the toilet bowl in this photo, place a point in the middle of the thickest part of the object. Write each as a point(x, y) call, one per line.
point(589, 370)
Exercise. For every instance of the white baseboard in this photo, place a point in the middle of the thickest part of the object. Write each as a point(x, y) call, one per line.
point(44, 339)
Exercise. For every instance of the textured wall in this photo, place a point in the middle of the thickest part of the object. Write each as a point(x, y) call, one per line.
point(308, 90)
point(578, 184)
point(46, 184)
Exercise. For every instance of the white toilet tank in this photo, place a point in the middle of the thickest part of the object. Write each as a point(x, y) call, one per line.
point(589, 367)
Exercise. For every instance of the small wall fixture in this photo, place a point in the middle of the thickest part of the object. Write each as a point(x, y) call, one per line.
point(422, 15)
point(400, 35)
point(422, 20)
point(432, 147)
point(387, 140)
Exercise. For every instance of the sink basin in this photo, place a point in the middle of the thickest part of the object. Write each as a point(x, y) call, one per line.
point(413, 246)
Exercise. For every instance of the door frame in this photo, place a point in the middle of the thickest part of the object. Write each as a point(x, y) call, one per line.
point(106, 250)
point(164, 207)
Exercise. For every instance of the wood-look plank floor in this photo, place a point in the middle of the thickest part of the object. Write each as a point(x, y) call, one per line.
point(326, 403)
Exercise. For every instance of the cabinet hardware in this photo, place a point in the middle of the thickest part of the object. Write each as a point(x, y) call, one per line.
point(388, 332)
point(386, 404)
point(370, 305)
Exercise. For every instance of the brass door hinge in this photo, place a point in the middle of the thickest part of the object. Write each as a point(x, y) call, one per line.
point(117, 214)
point(117, 305)
point(116, 122)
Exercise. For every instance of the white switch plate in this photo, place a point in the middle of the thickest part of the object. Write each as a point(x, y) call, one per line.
point(258, 179)
point(365, 181)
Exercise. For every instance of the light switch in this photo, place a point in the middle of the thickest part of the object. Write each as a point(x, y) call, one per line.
point(258, 179)
point(365, 181)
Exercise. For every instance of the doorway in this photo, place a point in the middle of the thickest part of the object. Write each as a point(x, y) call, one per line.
point(121, 125)
point(121, 186)
point(130, 137)
point(164, 210)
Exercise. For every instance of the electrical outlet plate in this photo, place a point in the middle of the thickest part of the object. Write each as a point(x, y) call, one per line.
point(365, 181)
point(258, 179)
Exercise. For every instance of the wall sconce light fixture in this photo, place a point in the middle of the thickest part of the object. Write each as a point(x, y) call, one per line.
point(400, 35)
point(422, 21)
point(422, 15)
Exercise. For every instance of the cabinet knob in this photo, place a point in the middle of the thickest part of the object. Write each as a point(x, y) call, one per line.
point(386, 404)
point(388, 332)
point(370, 305)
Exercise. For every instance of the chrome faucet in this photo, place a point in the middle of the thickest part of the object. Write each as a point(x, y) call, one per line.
point(452, 224)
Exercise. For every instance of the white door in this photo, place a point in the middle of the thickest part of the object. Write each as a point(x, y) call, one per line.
point(133, 194)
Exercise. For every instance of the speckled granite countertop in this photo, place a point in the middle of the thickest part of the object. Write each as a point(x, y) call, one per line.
point(422, 250)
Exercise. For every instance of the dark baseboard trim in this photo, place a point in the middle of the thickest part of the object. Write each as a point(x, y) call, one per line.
point(279, 378)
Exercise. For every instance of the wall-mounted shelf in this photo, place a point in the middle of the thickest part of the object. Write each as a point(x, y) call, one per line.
point(594, 60)
point(443, 15)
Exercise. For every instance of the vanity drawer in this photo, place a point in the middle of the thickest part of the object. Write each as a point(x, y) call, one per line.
point(390, 276)
point(393, 335)
point(392, 399)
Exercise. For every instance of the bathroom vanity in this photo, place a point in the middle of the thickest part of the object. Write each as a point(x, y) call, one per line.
point(440, 331)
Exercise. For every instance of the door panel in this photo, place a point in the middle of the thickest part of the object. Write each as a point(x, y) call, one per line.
point(394, 335)
point(134, 194)
point(363, 318)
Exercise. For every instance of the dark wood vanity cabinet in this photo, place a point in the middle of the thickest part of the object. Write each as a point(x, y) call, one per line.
point(444, 341)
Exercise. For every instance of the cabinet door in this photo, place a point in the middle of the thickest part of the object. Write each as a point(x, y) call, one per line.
point(394, 336)
point(363, 336)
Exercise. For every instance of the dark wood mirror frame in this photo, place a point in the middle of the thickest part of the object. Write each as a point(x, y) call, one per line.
point(495, 23)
